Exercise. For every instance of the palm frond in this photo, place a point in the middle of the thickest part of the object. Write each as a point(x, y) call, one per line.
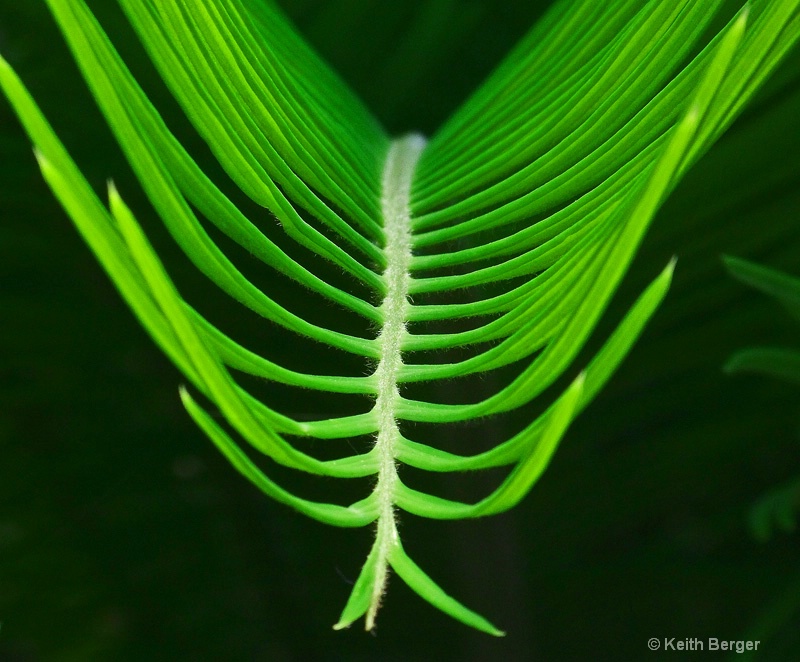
point(520, 215)
point(779, 506)
point(780, 286)
point(780, 362)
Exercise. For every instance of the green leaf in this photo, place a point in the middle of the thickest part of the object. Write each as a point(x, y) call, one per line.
point(413, 575)
point(773, 283)
point(504, 237)
point(779, 505)
point(769, 361)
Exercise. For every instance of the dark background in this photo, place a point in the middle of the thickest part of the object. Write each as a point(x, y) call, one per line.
point(124, 535)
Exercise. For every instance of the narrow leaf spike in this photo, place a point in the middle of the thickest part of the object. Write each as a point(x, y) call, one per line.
point(586, 127)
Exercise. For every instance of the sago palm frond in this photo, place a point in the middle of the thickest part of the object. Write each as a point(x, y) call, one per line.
point(499, 241)
point(779, 506)
point(780, 362)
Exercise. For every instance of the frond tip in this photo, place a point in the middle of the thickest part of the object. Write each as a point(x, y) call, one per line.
point(586, 127)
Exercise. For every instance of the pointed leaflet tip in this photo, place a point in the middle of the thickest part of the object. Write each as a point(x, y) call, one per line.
point(780, 286)
point(183, 393)
point(41, 159)
point(667, 272)
point(359, 601)
point(738, 267)
point(664, 280)
point(426, 588)
point(671, 265)
point(116, 204)
point(775, 362)
point(744, 15)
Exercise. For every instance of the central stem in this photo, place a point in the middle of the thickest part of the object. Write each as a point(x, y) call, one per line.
point(395, 207)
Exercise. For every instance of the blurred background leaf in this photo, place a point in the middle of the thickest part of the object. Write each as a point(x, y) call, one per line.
point(123, 534)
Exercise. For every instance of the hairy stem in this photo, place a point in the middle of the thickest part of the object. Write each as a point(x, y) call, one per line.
point(396, 185)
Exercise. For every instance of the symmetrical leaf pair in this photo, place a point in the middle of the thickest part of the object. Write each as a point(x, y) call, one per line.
point(532, 199)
